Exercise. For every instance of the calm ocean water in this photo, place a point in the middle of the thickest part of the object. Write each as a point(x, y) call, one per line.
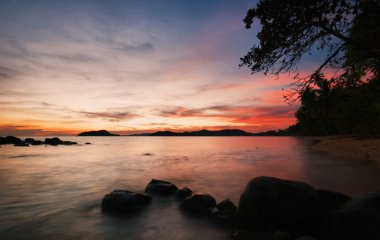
point(52, 192)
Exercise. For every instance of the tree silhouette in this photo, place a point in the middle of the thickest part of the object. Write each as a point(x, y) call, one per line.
point(347, 29)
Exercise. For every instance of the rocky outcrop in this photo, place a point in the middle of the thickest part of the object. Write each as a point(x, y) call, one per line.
point(225, 211)
point(122, 201)
point(358, 219)
point(161, 187)
point(199, 203)
point(32, 141)
point(183, 193)
point(11, 140)
point(56, 141)
point(331, 201)
point(280, 204)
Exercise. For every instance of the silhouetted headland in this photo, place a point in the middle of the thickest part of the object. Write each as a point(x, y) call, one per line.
point(100, 133)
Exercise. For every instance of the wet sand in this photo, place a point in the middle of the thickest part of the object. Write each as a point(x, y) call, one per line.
point(362, 149)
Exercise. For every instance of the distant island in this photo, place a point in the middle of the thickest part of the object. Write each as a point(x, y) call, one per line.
point(203, 132)
point(224, 132)
point(100, 133)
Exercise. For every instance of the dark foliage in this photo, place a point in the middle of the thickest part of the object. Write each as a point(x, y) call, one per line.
point(328, 109)
point(347, 30)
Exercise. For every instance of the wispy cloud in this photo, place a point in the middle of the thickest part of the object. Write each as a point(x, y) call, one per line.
point(110, 116)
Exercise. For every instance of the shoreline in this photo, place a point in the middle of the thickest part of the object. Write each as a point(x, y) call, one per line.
point(349, 147)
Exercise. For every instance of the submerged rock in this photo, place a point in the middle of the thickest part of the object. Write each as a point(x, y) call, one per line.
point(122, 201)
point(183, 193)
point(32, 141)
point(69, 143)
point(56, 141)
point(281, 204)
point(225, 211)
point(199, 203)
point(160, 187)
point(279, 235)
point(21, 144)
point(358, 219)
point(53, 141)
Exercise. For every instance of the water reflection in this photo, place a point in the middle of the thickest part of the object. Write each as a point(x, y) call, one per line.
point(54, 192)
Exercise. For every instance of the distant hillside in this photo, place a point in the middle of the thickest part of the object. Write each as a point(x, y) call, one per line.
point(99, 133)
point(225, 132)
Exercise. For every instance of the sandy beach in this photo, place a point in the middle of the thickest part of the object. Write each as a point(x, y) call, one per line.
point(366, 149)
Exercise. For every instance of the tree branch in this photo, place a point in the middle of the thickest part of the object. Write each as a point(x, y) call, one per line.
point(328, 59)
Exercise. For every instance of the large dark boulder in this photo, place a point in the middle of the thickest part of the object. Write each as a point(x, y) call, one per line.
point(12, 140)
point(225, 211)
point(122, 201)
point(279, 235)
point(281, 204)
point(331, 201)
point(183, 193)
point(199, 203)
point(53, 141)
point(160, 187)
point(358, 219)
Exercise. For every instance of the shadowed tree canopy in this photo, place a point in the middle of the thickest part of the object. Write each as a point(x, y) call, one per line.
point(348, 32)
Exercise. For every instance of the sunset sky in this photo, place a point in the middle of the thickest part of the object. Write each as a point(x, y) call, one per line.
point(131, 67)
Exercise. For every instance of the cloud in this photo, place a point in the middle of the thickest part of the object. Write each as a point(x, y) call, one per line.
point(7, 73)
point(110, 116)
point(248, 115)
point(28, 130)
point(137, 48)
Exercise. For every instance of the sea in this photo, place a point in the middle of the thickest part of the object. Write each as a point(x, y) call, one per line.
point(55, 192)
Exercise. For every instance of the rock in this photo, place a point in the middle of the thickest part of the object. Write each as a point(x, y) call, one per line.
point(29, 140)
point(148, 154)
point(281, 204)
point(122, 201)
point(199, 203)
point(37, 142)
point(183, 193)
point(358, 219)
point(69, 143)
point(331, 200)
point(279, 235)
point(251, 235)
point(305, 238)
point(225, 211)
point(32, 141)
point(87, 143)
point(161, 187)
point(12, 140)
point(53, 141)
point(21, 144)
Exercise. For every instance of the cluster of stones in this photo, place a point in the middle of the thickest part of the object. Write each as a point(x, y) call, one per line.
point(123, 201)
point(270, 209)
point(31, 141)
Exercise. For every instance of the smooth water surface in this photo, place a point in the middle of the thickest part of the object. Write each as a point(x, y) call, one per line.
point(54, 192)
